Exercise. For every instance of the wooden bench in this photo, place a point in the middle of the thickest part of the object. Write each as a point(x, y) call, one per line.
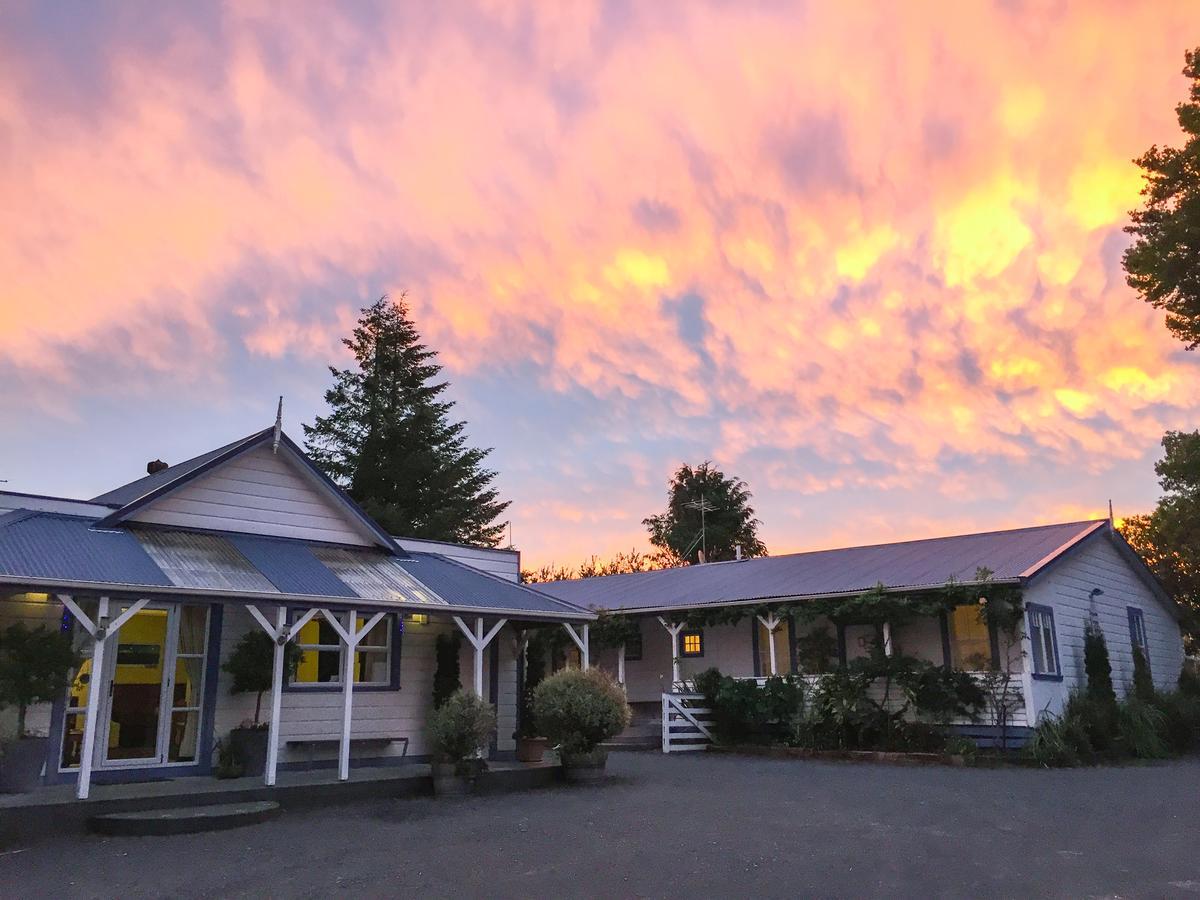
point(312, 744)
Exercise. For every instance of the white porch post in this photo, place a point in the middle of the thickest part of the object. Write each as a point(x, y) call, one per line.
point(281, 639)
point(770, 622)
point(587, 656)
point(88, 750)
point(673, 630)
point(580, 642)
point(887, 638)
point(621, 664)
point(347, 700)
point(479, 656)
point(479, 641)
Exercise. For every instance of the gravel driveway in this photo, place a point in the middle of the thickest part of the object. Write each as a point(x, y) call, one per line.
point(686, 825)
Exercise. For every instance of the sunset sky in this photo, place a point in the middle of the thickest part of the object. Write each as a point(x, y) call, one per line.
point(866, 257)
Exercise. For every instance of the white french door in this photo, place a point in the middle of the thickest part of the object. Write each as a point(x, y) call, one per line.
point(153, 688)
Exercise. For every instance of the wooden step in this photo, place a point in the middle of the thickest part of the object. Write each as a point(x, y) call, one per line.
point(185, 819)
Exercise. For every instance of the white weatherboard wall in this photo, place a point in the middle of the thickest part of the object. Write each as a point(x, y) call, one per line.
point(1065, 588)
point(258, 492)
point(504, 564)
point(728, 647)
point(377, 713)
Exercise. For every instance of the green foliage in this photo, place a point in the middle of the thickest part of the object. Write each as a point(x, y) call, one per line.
point(1143, 683)
point(446, 676)
point(613, 629)
point(1163, 264)
point(941, 694)
point(1059, 741)
point(1181, 720)
point(816, 651)
point(1169, 538)
point(388, 439)
point(535, 671)
point(729, 522)
point(743, 712)
point(252, 663)
point(593, 567)
point(1189, 682)
point(35, 666)
point(1099, 671)
point(577, 710)
point(1141, 727)
point(461, 727)
point(839, 715)
point(229, 761)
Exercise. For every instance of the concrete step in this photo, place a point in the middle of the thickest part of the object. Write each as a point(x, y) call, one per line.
point(185, 819)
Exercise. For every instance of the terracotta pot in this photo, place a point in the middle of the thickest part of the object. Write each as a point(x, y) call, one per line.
point(585, 767)
point(531, 750)
point(21, 764)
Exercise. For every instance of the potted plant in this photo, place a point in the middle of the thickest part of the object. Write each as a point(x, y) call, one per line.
point(35, 667)
point(459, 730)
point(578, 711)
point(251, 666)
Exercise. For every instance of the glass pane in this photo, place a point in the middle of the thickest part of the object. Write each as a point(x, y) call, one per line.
point(1035, 639)
point(137, 686)
point(184, 728)
point(970, 642)
point(189, 681)
point(193, 624)
point(378, 636)
point(372, 667)
point(781, 637)
point(318, 667)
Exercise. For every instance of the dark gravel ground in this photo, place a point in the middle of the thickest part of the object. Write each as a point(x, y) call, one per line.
point(687, 825)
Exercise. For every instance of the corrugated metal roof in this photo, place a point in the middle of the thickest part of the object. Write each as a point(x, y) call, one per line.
point(290, 566)
point(461, 585)
point(38, 546)
point(923, 563)
point(127, 493)
point(50, 545)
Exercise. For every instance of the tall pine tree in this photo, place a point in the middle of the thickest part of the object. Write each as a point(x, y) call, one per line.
point(388, 441)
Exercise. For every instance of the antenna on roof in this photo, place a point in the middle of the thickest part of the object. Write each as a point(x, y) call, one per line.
point(278, 426)
point(704, 506)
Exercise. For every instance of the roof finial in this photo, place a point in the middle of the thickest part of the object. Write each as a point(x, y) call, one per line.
point(278, 426)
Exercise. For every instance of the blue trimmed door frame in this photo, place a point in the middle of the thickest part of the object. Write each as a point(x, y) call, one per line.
point(204, 745)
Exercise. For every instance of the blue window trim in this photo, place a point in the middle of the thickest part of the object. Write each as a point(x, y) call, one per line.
point(204, 750)
point(1049, 611)
point(336, 688)
point(683, 654)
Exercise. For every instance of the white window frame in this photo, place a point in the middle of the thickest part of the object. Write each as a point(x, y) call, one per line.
point(1044, 641)
point(388, 622)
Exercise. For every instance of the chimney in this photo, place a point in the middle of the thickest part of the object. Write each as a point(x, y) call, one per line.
point(737, 549)
point(155, 466)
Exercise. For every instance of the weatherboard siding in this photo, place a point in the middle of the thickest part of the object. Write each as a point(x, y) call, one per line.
point(504, 564)
point(256, 493)
point(317, 714)
point(1065, 589)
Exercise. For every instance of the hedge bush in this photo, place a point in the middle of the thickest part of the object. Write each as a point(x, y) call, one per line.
point(577, 710)
point(461, 727)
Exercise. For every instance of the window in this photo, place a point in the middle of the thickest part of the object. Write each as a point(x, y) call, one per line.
point(1137, 632)
point(782, 638)
point(633, 646)
point(970, 640)
point(1045, 644)
point(321, 653)
point(691, 643)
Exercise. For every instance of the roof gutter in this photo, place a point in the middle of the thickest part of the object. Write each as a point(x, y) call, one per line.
point(794, 598)
point(52, 585)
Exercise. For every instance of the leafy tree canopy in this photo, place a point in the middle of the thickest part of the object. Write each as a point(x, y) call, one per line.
point(1163, 265)
point(389, 442)
point(1169, 538)
point(728, 518)
point(592, 567)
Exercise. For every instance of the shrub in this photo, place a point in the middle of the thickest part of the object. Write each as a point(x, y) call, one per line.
point(1097, 719)
point(941, 694)
point(1099, 670)
point(1181, 720)
point(744, 712)
point(578, 710)
point(461, 727)
point(35, 666)
point(1143, 683)
point(1142, 727)
point(252, 665)
point(1189, 682)
point(1059, 741)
